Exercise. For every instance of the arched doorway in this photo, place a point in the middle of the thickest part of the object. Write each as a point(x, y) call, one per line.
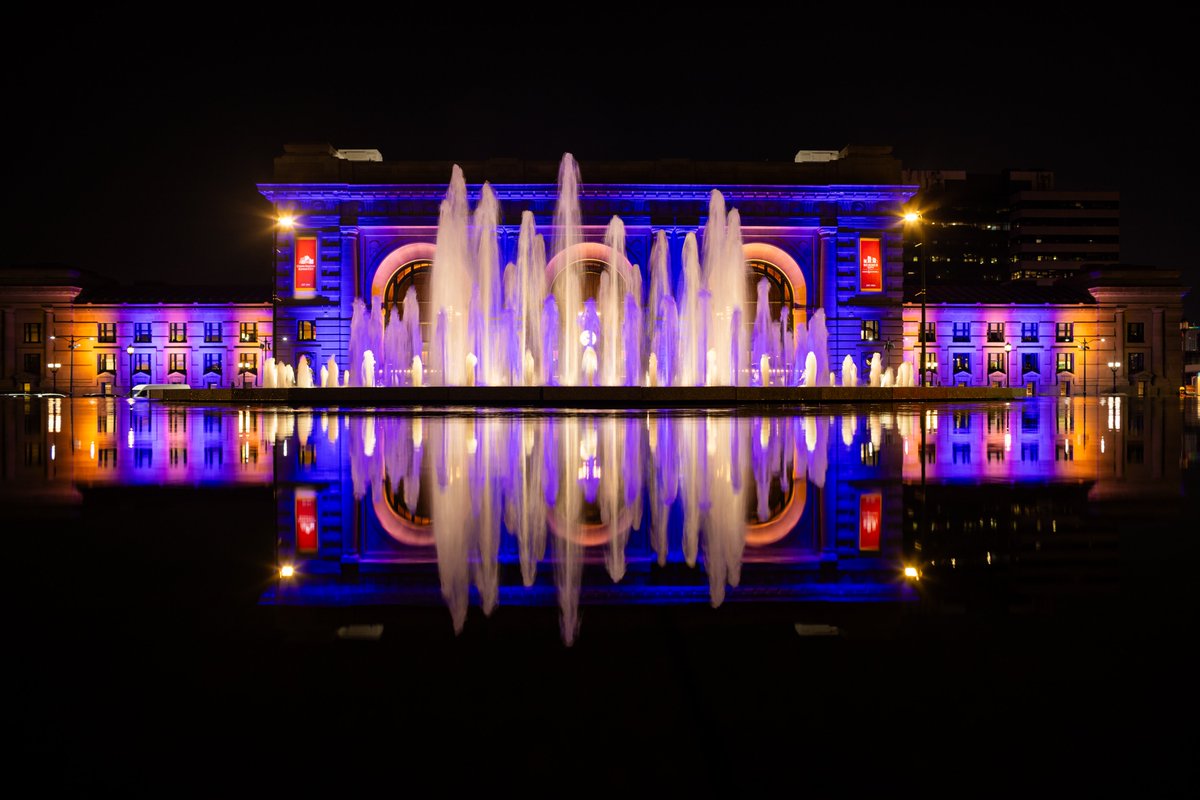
point(591, 260)
point(408, 266)
point(785, 279)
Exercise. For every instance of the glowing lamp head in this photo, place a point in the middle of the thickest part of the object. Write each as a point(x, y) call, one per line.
point(287, 222)
point(911, 217)
point(129, 349)
point(911, 573)
point(287, 571)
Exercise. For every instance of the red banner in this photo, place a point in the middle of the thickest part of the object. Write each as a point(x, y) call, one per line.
point(306, 264)
point(870, 266)
point(306, 521)
point(870, 516)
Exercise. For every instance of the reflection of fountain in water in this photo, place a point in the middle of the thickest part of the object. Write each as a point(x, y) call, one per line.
point(533, 475)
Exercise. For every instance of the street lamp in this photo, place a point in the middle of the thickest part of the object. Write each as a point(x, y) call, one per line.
point(1114, 366)
point(129, 350)
point(284, 222)
point(913, 218)
point(1007, 365)
point(1085, 346)
point(73, 343)
point(54, 367)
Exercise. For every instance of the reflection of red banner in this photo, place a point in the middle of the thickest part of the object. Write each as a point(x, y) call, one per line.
point(306, 264)
point(870, 266)
point(870, 516)
point(306, 521)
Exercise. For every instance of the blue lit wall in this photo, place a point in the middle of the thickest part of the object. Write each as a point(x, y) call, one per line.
point(811, 231)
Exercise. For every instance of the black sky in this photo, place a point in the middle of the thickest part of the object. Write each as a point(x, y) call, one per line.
point(136, 156)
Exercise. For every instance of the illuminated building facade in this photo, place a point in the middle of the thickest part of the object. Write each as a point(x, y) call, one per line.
point(105, 338)
point(825, 234)
point(1110, 330)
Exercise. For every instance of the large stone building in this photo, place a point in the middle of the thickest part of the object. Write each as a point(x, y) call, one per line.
point(825, 232)
point(61, 329)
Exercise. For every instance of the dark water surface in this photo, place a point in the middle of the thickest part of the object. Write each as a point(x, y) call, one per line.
point(960, 598)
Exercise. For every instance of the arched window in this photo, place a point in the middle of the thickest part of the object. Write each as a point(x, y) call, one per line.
point(779, 293)
point(413, 274)
point(590, 270)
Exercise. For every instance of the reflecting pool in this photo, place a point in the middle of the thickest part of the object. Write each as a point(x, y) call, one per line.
point(371, 508)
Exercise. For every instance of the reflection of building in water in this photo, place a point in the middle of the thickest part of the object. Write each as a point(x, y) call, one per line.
point(1026, 492)
point(626, 508)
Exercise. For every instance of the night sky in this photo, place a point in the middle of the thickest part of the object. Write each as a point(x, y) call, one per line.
point(137, 157)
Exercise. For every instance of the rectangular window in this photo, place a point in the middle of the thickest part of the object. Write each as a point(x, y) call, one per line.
point(1137, 363)
point(33, 363)
point(1135, 332)
point(308, 330)
point(1065, 362)
point(997, 362)
point(248, 332)
point(1029, 451)
point(106, 362)
point(929, 334)
point(870, 330)
point(178, 332)
point(962, 331)
point(141, 333)
point(995, 333)
point(248, 362)
point(141, 363)
point(1064, 332)
point(1029, 331)
point(106, 332)
point(931, 362)
point(962, 362)
point(212, 363)
point(33, 333)
point(1029, 362)
point(212, 332)
point(177, 362)
point(961, 453)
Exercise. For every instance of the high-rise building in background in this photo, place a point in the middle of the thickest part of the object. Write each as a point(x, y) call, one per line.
point(1013, 225)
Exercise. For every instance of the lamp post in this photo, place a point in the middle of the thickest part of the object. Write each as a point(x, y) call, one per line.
point(1085, 346)
point(913, 218)
point(1007, 365)
point(1114, 366)
point(73, 343)
point(284, 222)
point(129, 350)
point(264, 345)
point(55, 366)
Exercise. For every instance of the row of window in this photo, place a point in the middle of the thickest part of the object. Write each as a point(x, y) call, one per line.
point(1135, 332)
point(998, 362)
point(176, 362)
point(106, 332)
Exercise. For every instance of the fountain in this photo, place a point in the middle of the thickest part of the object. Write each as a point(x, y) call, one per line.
point(512, 324)
point(849, 372)
point(304, 374)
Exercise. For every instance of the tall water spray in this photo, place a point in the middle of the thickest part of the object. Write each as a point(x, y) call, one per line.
point(486, 272)
point(567, 290)
point(449, 286)
point(610, 303)
point(692, 351)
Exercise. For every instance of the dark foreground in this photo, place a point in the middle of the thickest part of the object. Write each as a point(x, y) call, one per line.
point(142, 661)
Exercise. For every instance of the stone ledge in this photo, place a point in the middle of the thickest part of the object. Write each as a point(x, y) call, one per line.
point(587, 396)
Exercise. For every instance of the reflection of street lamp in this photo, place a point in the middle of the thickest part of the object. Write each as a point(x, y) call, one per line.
point(1007, 365)
point(1114, 366)
point(129, 350)
point(54, 367)
point(913, 218)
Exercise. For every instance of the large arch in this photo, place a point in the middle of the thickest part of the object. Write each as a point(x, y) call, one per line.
point(393, 261)
point(585, 252)
point(787, 266)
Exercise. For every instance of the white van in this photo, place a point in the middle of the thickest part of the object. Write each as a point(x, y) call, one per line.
point(142, 390)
